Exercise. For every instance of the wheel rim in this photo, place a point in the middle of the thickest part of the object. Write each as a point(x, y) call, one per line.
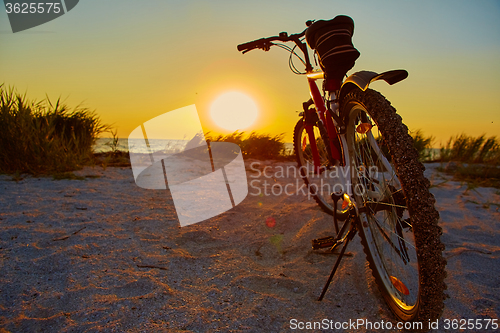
point(385, 220)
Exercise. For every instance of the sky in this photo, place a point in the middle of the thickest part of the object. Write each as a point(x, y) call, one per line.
point(131, 61)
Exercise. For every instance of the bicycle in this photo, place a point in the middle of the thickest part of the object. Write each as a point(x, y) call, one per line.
point(381, 187)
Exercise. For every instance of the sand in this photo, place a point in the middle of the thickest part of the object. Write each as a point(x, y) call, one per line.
point(102, 255)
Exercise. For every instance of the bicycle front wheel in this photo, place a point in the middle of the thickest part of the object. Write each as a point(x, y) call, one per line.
point(398, 222)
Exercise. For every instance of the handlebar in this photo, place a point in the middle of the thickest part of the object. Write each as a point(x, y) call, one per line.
point(266, 43)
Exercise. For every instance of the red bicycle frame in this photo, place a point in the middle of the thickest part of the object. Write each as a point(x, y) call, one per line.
point(327, 120)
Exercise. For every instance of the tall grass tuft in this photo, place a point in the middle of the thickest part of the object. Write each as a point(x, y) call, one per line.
point(423, 145)
point(44, 137)
point(235, 137)
point(478, 160)
point(468, 149)
point(256, 145)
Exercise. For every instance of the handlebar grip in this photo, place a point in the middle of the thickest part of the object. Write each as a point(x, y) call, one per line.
point(248, 46)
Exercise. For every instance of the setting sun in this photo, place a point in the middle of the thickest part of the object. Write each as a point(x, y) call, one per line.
point(234, 111)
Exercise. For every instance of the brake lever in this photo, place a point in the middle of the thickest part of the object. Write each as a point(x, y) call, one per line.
point(266, 46)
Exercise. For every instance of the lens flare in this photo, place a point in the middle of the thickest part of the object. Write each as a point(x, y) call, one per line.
point(270, 222)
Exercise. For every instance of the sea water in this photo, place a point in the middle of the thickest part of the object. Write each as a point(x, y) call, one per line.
point(104, 145)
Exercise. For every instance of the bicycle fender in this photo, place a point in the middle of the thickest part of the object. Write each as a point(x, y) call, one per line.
point(363, 79)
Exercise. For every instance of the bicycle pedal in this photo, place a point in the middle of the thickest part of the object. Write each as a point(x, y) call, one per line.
point(321, 243)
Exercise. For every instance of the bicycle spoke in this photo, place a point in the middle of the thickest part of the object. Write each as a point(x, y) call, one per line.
point(391, 243)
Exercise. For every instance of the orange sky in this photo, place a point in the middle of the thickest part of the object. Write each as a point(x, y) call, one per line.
point(132, 61)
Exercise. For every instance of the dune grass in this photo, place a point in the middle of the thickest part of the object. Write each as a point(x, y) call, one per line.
point(468, 149)
point(484, 175)
point(256, 145)
point(41, 137)
point(423, 145)
point(461, 148)
point(474, 160)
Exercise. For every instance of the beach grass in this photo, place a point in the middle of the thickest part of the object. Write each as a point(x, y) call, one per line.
point(116, 158)
point(423, 145)
point(475, 175)
point(474, 160)
point(468, 149)
point(42, 137)
point(256, 145)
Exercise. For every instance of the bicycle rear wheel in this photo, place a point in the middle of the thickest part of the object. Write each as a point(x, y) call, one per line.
point(398, 221)
point(321, 184)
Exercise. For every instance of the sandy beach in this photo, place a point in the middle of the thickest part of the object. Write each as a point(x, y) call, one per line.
point(103, 255)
